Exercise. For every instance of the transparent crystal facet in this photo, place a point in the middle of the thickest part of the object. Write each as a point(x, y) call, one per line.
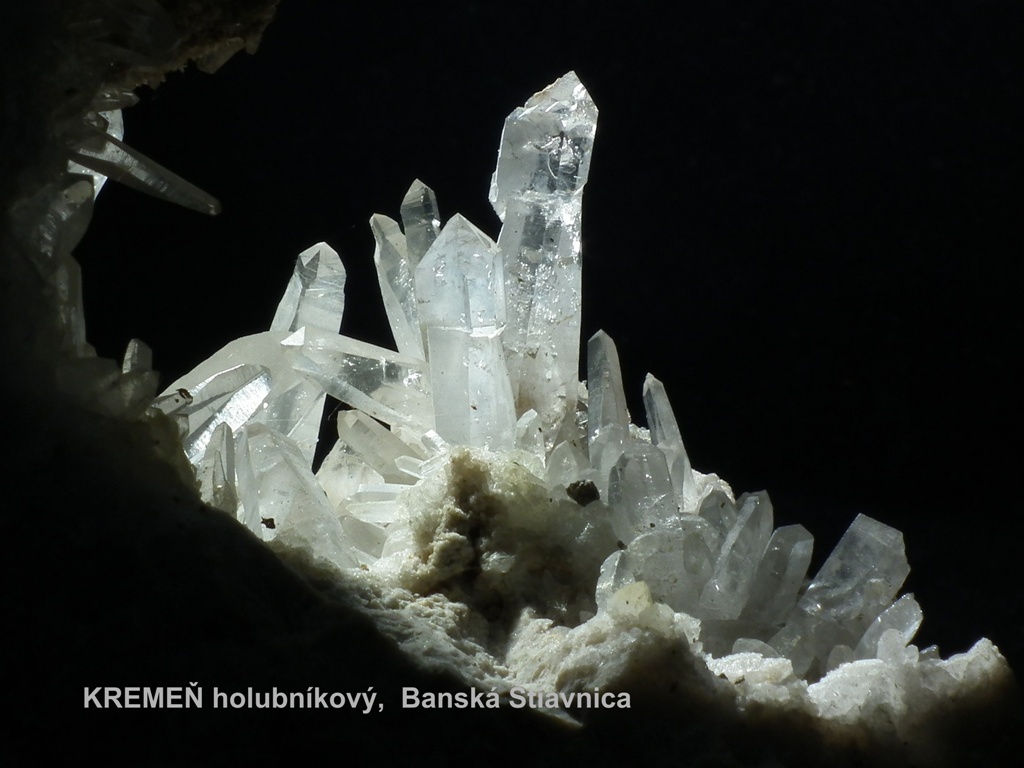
point(546, 145)
point(461, 299)
point(640, 491)
point(726, 594)
point(386, 385)
point(315, 295)
point(780, 575)
point(420, 219)
point(460, 283)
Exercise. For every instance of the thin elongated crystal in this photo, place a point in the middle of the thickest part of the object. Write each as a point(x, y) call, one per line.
point(606, 410)
point(660, 418)
point(421, 220)
point(396, 275)
point(315, 295)
point(117, 161)
point(607, 417)
point(666, 435)
point(537, 191)
point(110, 123)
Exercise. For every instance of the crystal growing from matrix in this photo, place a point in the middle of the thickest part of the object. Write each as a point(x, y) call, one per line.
point(475, 469)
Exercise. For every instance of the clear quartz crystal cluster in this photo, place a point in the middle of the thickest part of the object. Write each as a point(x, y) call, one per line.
point(474, 469)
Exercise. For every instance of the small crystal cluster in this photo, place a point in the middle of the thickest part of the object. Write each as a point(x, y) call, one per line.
point(474, 464)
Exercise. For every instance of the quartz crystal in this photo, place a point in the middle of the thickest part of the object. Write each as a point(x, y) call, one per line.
point(395, 272)
point(537, 191)
point(460, 294)
point(473, 468)
point(105, 154)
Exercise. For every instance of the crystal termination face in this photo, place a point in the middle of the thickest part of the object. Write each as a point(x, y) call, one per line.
point(476, 473)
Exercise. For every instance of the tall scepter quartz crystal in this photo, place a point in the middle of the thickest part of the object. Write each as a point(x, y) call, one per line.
point(537, 192)
point(478, 490)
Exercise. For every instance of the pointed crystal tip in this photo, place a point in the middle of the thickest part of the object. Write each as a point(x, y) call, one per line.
point(546, 146)
point(565, 90)
point(420, 218)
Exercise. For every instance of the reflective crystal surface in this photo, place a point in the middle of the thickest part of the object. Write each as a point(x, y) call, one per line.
point(288, 400)
point(216, 471)
point(315, 295)
point(420, 219)
point(461, 299)
point(395, 273)
point(282, 499)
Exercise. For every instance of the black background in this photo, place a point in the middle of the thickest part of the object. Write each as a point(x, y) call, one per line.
point(805, 219)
